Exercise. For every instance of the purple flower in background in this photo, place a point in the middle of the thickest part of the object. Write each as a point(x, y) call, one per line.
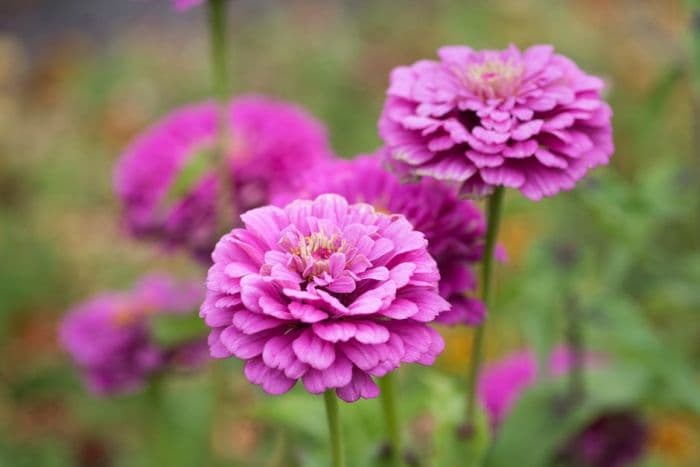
point(529, 120)
point(454, 228)
point(109, 337)
point(326, 292)
point(182, 5)
point(614, 439)
point(167, 178)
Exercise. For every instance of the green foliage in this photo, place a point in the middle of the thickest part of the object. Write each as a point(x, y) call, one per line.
point(171, 329)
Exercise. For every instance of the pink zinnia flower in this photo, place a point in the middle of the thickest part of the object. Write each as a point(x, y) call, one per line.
point(266, 143)
point(182, 5)
point(454, 227)
point(323, 291)
point(529, 120)
point(109, 337)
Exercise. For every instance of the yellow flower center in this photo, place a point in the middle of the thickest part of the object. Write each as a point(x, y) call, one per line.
point(315, 250)
point(494, 78)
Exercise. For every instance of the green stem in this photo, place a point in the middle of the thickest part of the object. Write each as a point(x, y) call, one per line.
point(158, 446)
point(334, 428)
point(495, 205)
point(226, 206)
point(219, 47)
point(393, 430)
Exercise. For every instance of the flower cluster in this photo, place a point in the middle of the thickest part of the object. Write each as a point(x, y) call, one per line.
point(529, 120)
point(323, 291)
point(454, 228)
point(338, 280)
point(109, 336)
point(168, 180)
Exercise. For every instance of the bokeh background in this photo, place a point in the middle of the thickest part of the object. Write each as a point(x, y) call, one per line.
point(79, 78)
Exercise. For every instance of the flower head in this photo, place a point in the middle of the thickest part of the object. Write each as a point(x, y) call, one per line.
point(454, 228)
point(167, 179)
point(323, 291)
point(529, 120)
point(109, 336)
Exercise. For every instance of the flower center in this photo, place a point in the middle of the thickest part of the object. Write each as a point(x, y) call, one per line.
point(494, 77)
point(314, 251)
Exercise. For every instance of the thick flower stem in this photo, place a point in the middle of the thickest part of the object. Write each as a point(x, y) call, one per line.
point(393, 429)
point(336, 438)
point(225, 206)
point(495, 205)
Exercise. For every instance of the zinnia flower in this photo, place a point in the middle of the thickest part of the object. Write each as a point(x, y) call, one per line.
point(529, 120)
point(182, 5)
point(109, 335)
point(323, 291)
point(454, 228)
point(167, 179)
point(613, 439)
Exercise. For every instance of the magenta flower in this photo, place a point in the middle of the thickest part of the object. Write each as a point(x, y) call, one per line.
point(454, 228)
point(529, 120)
point(109, 337)
point(325, 292)
point(182, 5)
point(266, 142)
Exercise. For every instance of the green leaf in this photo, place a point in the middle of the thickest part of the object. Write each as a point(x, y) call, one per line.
point(190, 174)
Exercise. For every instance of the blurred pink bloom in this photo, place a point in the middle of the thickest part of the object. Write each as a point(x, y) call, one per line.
point(325, 292)
point(266, 141)
point(109, 338)
point(529, 120)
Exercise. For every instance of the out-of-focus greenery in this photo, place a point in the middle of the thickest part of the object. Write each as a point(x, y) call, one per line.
point(623, 248)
